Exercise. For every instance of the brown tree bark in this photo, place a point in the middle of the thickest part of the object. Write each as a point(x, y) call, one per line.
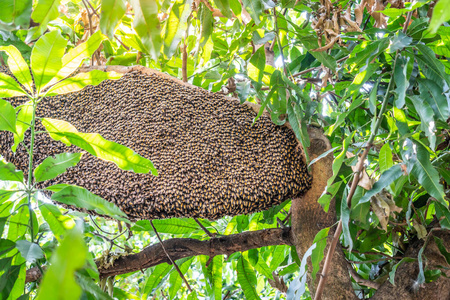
point(308, 218)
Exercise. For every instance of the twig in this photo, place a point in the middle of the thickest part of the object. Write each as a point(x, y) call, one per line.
point(358, 279)
point(170, 259)
point(338, 232)
point(209, 233)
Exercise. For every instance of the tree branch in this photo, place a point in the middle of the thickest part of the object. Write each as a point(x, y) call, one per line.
point(185, 247)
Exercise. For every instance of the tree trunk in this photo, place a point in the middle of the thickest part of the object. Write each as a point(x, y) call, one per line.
point(308, 218)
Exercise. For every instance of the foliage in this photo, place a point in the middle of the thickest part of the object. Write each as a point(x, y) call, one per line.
point(360, 74)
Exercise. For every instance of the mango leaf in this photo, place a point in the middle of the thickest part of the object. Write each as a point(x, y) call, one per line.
point(207, 23)
point(18, 66)
point(385, 158)
point(175, 279)
point(254, 8)
point(17, 12)
point(224, 7)
point(337, 163)
point(146, 24)
point(399, 41)
point(91, 287)
point(59, 279)
point(443, 214)
point(176, 25)
point(6, 246)
point(24, 118)
point(82, 198)
point(345, 219)
point(343, 116)
point(57, 222)
point(365, 52)
point(214, 276)
point(173, 226)
point(9, 87)
point(7, 116)
point(317, 253)
point(386, 179)
point(46, 58)
point(432, 68)
point(157, 277)
point(112, 12)
point(8, 172)
point(427, 124)
point(440, 244)
point(95, 144)
point(431, 92)
point(30, 251)
point(394, 268)
point(44, 12)
point(427, 175)
point(19, 222)
point(75, 57)
point(247, 279)
point(51, 167)
point(298, 286)
point(401, 81)
point(80, 81)
point(8, 280)
point(441, 14)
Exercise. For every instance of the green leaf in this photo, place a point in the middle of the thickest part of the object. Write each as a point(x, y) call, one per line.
point(24, 117)
point(30, 251)
point(51, 167)
point(427, 124)
point(401, 81)
point(82, 198)
point(254, 8)
point(337, 163)
point(318, 253)
point(80, 81)
point(18, 66)
point(386, 179)
point(311, 43)
point(112, 12)
point(427, 175)
point(443, 214)
point(385, 158)
point(343, 116)
point(247, 279)
point(441, 14)
point(46, 58)
point(433, 68)
point(213, 274)
point(75, 57)
point(345, 219)
point(173, 226)
point(157, 277)
point(17, 12)
point(59, 279)
point(175, 279)
point(91, 287)
point(431, 92)
point(207, 21)
point(146, 24)
point(176, 25)
point(394, 268)
point(9, 88)
point(298, 286)
point(8, 280)
point(224, 7)
point(44, 12)
point(19, 222)
point(8, 172)
point(399, 41)
point(95, 144)
point(440, 244)
point(6, 246)
point(365, 52)
point(57, 222)
point(7, 116)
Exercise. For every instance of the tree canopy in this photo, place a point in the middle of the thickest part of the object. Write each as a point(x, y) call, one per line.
point(374, 75)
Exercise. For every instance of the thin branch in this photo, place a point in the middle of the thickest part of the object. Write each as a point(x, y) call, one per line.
point(358, 279)
point(209, 233)
point(170, 258)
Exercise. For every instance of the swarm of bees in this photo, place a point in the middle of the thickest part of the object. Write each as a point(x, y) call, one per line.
point(211, 160)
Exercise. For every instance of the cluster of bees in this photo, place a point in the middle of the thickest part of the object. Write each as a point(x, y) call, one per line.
point(211, 161)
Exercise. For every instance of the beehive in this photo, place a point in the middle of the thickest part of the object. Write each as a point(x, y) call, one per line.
point(211, 161)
